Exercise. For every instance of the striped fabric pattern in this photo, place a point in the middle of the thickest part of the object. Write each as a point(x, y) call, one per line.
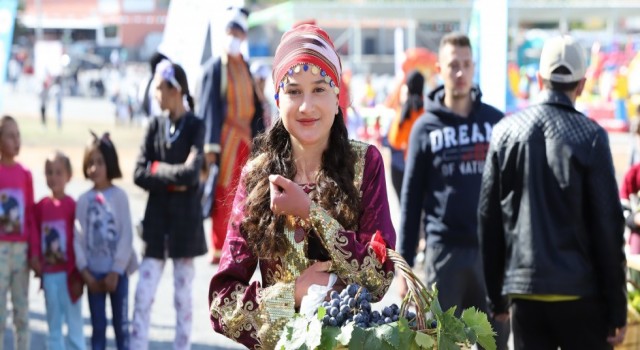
point(306, 44)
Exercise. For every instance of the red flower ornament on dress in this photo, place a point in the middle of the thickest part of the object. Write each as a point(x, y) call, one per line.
point(379, 246)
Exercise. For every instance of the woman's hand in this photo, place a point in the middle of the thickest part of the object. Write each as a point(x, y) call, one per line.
point(111, 282)
point(287, 198)
point(314, 274)
point(93, 285)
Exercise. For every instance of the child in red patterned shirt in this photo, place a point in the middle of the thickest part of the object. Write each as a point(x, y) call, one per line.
point(16, 230)
point(55, 258)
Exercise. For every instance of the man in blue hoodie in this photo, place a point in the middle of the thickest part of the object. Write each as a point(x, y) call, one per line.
point(447, 150)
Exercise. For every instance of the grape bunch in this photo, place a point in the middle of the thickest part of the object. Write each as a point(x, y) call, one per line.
point(353, 304)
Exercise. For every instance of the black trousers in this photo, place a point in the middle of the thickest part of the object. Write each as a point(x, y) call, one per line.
point(396, 180)
point(569, 325)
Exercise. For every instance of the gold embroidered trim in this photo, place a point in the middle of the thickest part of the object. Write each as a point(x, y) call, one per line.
point(361, 151)
point(235, 315)
point(277, 304)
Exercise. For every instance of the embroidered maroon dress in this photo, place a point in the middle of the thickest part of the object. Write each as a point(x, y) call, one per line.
point(253, 314)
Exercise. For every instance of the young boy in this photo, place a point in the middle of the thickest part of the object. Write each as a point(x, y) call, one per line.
point(55, 258)
point(16, 229)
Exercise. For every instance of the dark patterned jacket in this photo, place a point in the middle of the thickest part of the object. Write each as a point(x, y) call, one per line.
point(173, 218)
point(550, 220)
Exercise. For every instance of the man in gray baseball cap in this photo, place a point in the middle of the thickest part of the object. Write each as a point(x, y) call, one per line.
point(550, 222)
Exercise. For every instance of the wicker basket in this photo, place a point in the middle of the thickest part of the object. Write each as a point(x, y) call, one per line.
point(632, 338)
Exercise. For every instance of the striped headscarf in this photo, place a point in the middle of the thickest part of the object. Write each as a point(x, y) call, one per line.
point(309, 44)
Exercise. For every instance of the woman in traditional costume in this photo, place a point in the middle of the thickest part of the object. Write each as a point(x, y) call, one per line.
point(308, 203)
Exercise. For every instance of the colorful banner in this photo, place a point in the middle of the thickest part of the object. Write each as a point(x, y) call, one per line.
point(8, 10)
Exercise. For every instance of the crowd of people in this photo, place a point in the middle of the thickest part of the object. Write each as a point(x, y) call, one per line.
point(521, 215)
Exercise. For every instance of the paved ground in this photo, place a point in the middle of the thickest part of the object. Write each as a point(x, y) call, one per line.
point(82, 114)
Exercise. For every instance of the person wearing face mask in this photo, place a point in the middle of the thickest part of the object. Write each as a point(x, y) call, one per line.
point(232, 114)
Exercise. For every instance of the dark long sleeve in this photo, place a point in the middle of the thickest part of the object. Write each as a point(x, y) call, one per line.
point(413, 187)
point(211, 106)
point(606, 226)
point(491, 233)
point(185, 174)
point(142, 174)
point(182, 174)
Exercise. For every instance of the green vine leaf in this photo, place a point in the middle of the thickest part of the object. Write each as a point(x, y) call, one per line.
point(328, 340)
point(321, 312)
point(406, 335)
point(345, 334)
point(450, 331)
point(478, 322)
point(424, 341)
point(366, 339)
point(389, 333)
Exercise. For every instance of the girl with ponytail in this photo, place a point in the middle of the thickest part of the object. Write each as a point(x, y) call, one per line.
point(168, 167)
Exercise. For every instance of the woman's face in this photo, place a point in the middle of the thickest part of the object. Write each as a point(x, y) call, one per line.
point(165, 95)
point(308, 107)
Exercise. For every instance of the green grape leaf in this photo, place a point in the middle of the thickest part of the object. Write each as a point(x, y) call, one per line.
point(328, 340)
point(390, 333)
point(435, 309)
point(406, 335)
point(472, 338)
point(321, 312)
point(367, 339)
point(478, 322)
point(314, 333)
point(345, 334)
point(424, 341)
point(450, 331)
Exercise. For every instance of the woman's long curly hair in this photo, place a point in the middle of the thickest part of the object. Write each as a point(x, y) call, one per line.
point(335, 190)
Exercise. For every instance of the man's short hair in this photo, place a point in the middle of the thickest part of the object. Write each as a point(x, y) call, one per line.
point(558, 86)
point(455, 39)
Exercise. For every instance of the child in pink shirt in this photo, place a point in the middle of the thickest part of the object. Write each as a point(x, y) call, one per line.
point(16, 229)
point(56, 261)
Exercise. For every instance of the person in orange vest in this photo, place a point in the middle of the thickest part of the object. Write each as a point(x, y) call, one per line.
point(400, 129)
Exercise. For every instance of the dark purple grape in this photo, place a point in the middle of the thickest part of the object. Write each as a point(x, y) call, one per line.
point(333, 322)
point(333, 311)
point(386, 312)
point(351, 302)
point(352, 289)
point(335, 295)
point(335, 303)
point(325, 319)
